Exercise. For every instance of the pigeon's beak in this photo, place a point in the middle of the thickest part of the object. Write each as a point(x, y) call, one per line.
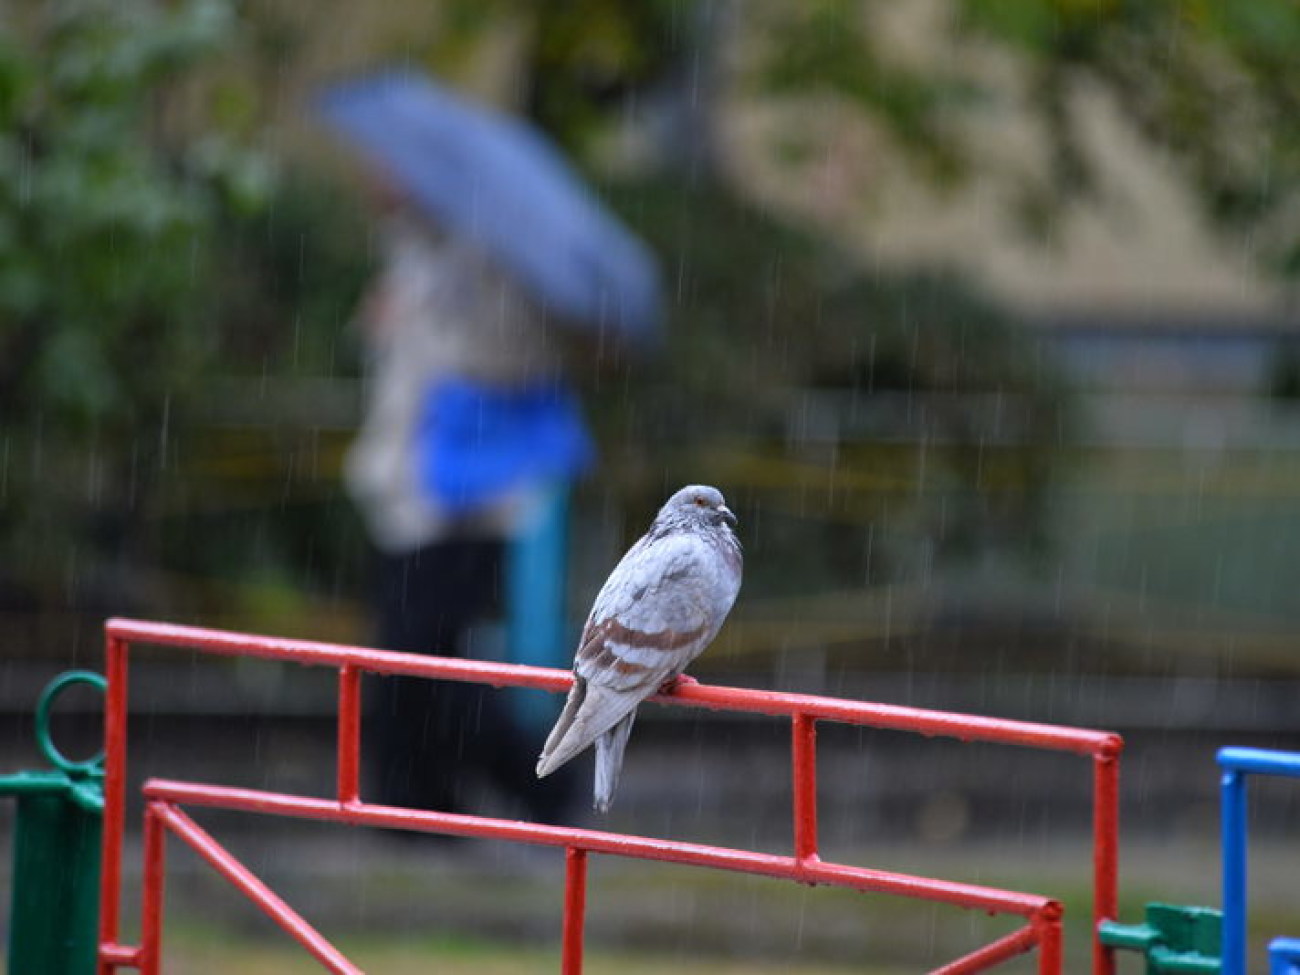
point(726, 515)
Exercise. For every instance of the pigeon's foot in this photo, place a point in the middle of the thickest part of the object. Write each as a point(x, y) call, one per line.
point(673, 683)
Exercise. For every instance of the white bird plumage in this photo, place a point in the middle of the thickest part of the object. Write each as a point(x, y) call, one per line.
point(661, 606)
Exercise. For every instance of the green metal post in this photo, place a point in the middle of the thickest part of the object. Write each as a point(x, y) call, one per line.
point(1175, 939)
point(54, 914)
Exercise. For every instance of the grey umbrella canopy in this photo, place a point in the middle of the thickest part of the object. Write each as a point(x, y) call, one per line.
point(503, 184)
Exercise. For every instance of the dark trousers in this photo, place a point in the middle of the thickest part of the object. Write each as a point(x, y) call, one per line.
point(428, 736)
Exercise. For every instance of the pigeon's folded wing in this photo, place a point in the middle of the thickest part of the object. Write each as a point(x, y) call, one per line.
point(651, 619)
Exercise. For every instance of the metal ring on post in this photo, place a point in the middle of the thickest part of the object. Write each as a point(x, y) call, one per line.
point(43, 740)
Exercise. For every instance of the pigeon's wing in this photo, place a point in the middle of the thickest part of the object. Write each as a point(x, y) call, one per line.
point(652, 617)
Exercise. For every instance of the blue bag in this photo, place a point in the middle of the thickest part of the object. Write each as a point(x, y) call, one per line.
point(478, 442)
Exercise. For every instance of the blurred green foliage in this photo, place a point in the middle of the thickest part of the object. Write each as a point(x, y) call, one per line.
point(783, 354)
point(829, 46)
point(1215, 86)
point(292, 272)
point(581, 60)
point(144, 251)
point(107, 237)
point(765, 317)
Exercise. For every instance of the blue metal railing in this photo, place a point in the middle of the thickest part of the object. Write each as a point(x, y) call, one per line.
point(1237, 763)
point(1284, 956)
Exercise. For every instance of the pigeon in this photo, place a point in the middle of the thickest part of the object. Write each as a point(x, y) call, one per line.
point(658, 610)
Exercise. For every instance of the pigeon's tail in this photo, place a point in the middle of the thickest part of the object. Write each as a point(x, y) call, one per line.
point(609, 762)
point(588, 713)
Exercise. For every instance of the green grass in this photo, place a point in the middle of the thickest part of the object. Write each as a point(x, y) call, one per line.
point(199, 951)
point(418, 911)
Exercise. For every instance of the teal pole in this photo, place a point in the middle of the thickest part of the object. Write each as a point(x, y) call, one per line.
point(54, 912)
point(536, 579)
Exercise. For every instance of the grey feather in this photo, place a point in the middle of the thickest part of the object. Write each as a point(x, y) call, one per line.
point(594, 711)
point(609, 761)
point(661, 606)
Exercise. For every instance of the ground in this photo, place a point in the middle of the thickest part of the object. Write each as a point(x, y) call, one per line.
point(196, 951)
point(486, 909)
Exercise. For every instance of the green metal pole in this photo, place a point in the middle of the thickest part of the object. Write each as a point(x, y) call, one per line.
point(55, 910)
point(54, 913)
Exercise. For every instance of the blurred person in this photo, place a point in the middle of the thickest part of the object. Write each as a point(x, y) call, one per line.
point(468, 423)
point(490, 242)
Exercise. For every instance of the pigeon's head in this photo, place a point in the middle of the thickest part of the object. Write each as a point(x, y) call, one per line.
point(697, 505)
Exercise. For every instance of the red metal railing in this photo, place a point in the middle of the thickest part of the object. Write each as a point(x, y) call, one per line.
point(164, 799)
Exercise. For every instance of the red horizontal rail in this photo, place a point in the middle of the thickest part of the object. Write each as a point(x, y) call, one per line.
point(967, 727)
point(596, 841)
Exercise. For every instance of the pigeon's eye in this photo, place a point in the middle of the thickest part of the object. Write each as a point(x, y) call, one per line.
point(700, 502)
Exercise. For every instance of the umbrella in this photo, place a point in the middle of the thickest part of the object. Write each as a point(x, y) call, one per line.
point(503, 184)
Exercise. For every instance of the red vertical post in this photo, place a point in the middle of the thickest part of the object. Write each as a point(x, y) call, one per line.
point(110, 881)
point(575, 909)
point(804, 754)
point(151, 912)
point(1105, 845)
point(1050, 952)
point(349, 734)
